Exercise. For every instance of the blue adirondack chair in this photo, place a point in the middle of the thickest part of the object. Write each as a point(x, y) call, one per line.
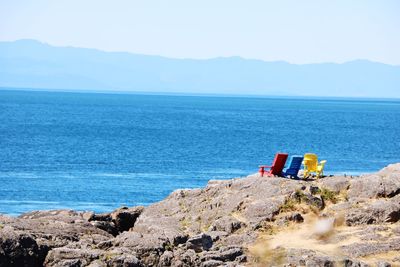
point(294, 166)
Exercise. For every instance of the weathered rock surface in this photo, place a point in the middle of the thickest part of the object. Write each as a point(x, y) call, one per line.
point(385, 183)
point(20, 249)
point(228, 223)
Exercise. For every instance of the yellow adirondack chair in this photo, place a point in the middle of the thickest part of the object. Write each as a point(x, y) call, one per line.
point(311, 165)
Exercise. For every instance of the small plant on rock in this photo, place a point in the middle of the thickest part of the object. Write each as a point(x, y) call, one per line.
point(300, 196)
point(289, 205)
point(168, 246)
point(185, 223)
point(328, 195)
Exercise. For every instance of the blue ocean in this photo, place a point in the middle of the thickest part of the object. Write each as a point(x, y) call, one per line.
point(99, 151)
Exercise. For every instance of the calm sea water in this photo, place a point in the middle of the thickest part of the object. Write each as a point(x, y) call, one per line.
point(100, 151)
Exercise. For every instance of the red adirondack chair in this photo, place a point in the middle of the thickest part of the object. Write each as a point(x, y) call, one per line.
point(276, 167)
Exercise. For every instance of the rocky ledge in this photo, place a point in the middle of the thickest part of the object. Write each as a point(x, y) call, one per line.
point(251, 221)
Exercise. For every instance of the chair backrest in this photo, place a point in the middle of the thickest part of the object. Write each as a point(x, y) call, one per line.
point(279, 163)
point(310, 162)
point(294, 164)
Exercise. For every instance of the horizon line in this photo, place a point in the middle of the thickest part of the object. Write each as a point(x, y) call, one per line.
point(194, 94)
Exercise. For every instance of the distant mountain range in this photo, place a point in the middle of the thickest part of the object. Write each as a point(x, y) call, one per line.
point(32, 64)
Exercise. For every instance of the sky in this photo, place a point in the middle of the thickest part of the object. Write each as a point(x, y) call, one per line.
point(308, 31)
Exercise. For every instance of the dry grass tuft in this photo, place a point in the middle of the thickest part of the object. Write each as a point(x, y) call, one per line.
point(264, 255)
point(328, 195)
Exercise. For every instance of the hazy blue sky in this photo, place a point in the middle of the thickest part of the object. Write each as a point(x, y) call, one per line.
point(294, 31)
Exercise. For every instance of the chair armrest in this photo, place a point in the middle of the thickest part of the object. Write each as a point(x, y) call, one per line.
point(265, 166)
point(322, 162)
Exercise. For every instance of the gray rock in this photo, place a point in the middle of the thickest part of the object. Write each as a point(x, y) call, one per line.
point(383, 264)
point(118, 221)
point(200, 242)
point(56, 228)
point(306, 257)
point(230, 253)
point(125, 261)
point(335, 184)
point(166, 258)
point(88, 215)
point(211, 263)
point(308, 198)
point(227, 224)
point(243, 239)
point(190, 258)
point(107, 226)
point(293, 217)
point(71, 257)
point(354, 263)
point(97, 263)
point(315, 201)
point(212, 226)
point(378, 211)
point(124, 218)
point(20, 249)
point(370, 248)
point(103, 217)
point(143, 244)
point(320, 261)
point(217, 235)
point(224, 254)
point(385, 183)
point(260, 211)
point(180, 239)
point(67, 216)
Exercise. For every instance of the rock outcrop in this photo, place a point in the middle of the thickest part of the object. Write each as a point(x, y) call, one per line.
point(251, 221)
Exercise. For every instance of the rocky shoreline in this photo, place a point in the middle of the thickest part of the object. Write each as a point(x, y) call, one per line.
point(251, 221)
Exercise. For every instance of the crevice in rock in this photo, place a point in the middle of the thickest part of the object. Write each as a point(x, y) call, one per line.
point(22, 250)
point(118, 221)
point(393, 194)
